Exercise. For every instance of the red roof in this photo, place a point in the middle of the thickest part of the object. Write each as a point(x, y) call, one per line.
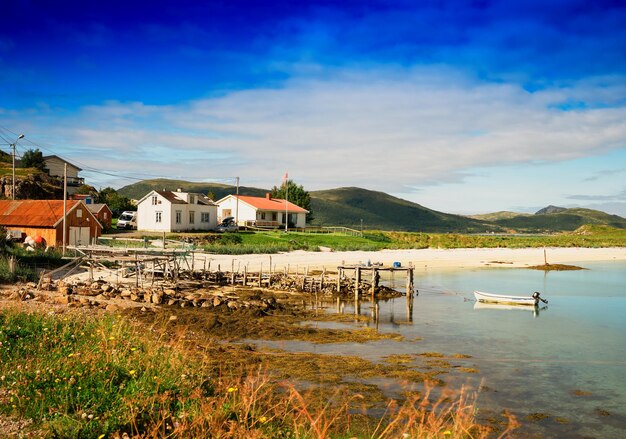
point(33, 213)
point(275, 204)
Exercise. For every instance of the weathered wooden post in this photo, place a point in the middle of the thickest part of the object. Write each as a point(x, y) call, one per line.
point(339, 274)
point(136, 270)
point(261, 275)
point(357, 282)
point(322, 278)
point(245, 276)
point(306, 272)
point(374, 282)
point(90, 266)
point(409, 281)
point(232, 272)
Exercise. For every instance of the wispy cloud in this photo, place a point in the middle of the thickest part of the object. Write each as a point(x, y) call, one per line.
point(378, 128)
point(621, 196)
point(605, 173)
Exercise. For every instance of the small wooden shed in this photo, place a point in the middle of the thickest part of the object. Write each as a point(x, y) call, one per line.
point(45, 218)
point(103, 213)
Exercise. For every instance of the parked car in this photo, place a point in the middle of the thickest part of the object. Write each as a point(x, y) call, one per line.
point(127, 220)
point(228, 224)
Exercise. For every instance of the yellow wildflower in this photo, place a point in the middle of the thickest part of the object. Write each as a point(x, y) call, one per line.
point(263, 419)
point(232, 389)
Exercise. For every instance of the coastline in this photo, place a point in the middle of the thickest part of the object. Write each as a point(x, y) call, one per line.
point(422, 258)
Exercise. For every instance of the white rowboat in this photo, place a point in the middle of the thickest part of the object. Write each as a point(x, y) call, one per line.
point(508, 300)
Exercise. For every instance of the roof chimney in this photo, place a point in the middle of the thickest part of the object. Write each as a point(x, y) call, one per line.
point(179, 189)
point(268, 195)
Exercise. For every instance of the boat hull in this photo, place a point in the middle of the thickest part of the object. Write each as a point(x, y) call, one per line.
point(504, 299)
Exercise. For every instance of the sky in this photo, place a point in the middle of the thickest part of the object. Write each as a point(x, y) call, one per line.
point(461, 106)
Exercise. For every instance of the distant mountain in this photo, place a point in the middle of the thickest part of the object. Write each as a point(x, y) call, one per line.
point(139, 189)
point(347, 206)
point(564, 220)
point(503, 214)
point(550, 209)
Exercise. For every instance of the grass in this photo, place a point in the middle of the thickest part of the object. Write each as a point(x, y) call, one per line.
point(95, 377)
point(273, 242)
point(278, 241)
point(27, 263)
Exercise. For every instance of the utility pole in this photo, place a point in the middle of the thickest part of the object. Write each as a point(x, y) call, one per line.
point(65, 205)
point(21, 136)
point(237, 205)
point(286, 205)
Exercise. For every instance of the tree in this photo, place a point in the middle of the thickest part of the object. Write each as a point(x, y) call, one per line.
point(33, 158)
point(115, 201)
point(86, 189)
point(295, 194)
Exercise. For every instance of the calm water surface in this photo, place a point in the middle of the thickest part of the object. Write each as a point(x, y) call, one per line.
point(566, 362)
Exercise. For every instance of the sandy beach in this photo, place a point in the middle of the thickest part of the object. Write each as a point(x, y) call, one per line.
point(424, 258)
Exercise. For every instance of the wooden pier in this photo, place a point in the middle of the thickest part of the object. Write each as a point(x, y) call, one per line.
point(374, 271)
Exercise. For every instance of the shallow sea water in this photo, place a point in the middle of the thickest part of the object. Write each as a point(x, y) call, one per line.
point(566, 362)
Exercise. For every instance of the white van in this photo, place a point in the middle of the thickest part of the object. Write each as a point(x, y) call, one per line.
point(127, 220)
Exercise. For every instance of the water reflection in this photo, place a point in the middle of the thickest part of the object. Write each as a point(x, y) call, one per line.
point(367, 307)
point(499, 306)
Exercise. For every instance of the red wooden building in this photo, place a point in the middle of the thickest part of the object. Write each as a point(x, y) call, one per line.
point(103, 213)
point(45, 218)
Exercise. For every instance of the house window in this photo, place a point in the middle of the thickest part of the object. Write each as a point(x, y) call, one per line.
point(158, 217)
point(204, 217)
point(79, 213)
point(106, 215)
point(274, 216)
point(262, 215)
point(154, 200)
point(192, 199)
point(179, 216)
point(192, 217)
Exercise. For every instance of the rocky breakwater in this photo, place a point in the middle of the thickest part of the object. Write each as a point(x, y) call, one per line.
point(112, 297)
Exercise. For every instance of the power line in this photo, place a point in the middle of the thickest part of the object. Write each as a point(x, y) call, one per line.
point(110, 173)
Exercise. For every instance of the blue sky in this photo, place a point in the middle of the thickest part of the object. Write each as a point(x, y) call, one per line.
point(466, 107)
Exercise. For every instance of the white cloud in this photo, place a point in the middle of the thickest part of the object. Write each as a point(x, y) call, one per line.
point(380, 129)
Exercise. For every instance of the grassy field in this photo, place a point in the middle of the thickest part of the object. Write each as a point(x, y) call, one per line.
point(271, 242)
point(81, 376)
point(279, 241)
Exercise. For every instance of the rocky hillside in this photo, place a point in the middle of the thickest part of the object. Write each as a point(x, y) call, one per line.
point(36, 186)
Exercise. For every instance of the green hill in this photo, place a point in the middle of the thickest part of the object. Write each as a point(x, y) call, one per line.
point(347, 206)
point(564, 220)
point(139, 189)
point(378, 210)
point(494, 216)
point(340, 207)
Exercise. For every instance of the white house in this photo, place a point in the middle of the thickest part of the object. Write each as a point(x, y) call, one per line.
point(166, 211)
point(261, 211)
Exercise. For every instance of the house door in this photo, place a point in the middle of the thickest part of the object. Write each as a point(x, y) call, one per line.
point(79, 236)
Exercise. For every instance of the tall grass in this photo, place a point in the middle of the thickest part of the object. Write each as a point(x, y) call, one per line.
point(20, 273)
point(94, 377)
